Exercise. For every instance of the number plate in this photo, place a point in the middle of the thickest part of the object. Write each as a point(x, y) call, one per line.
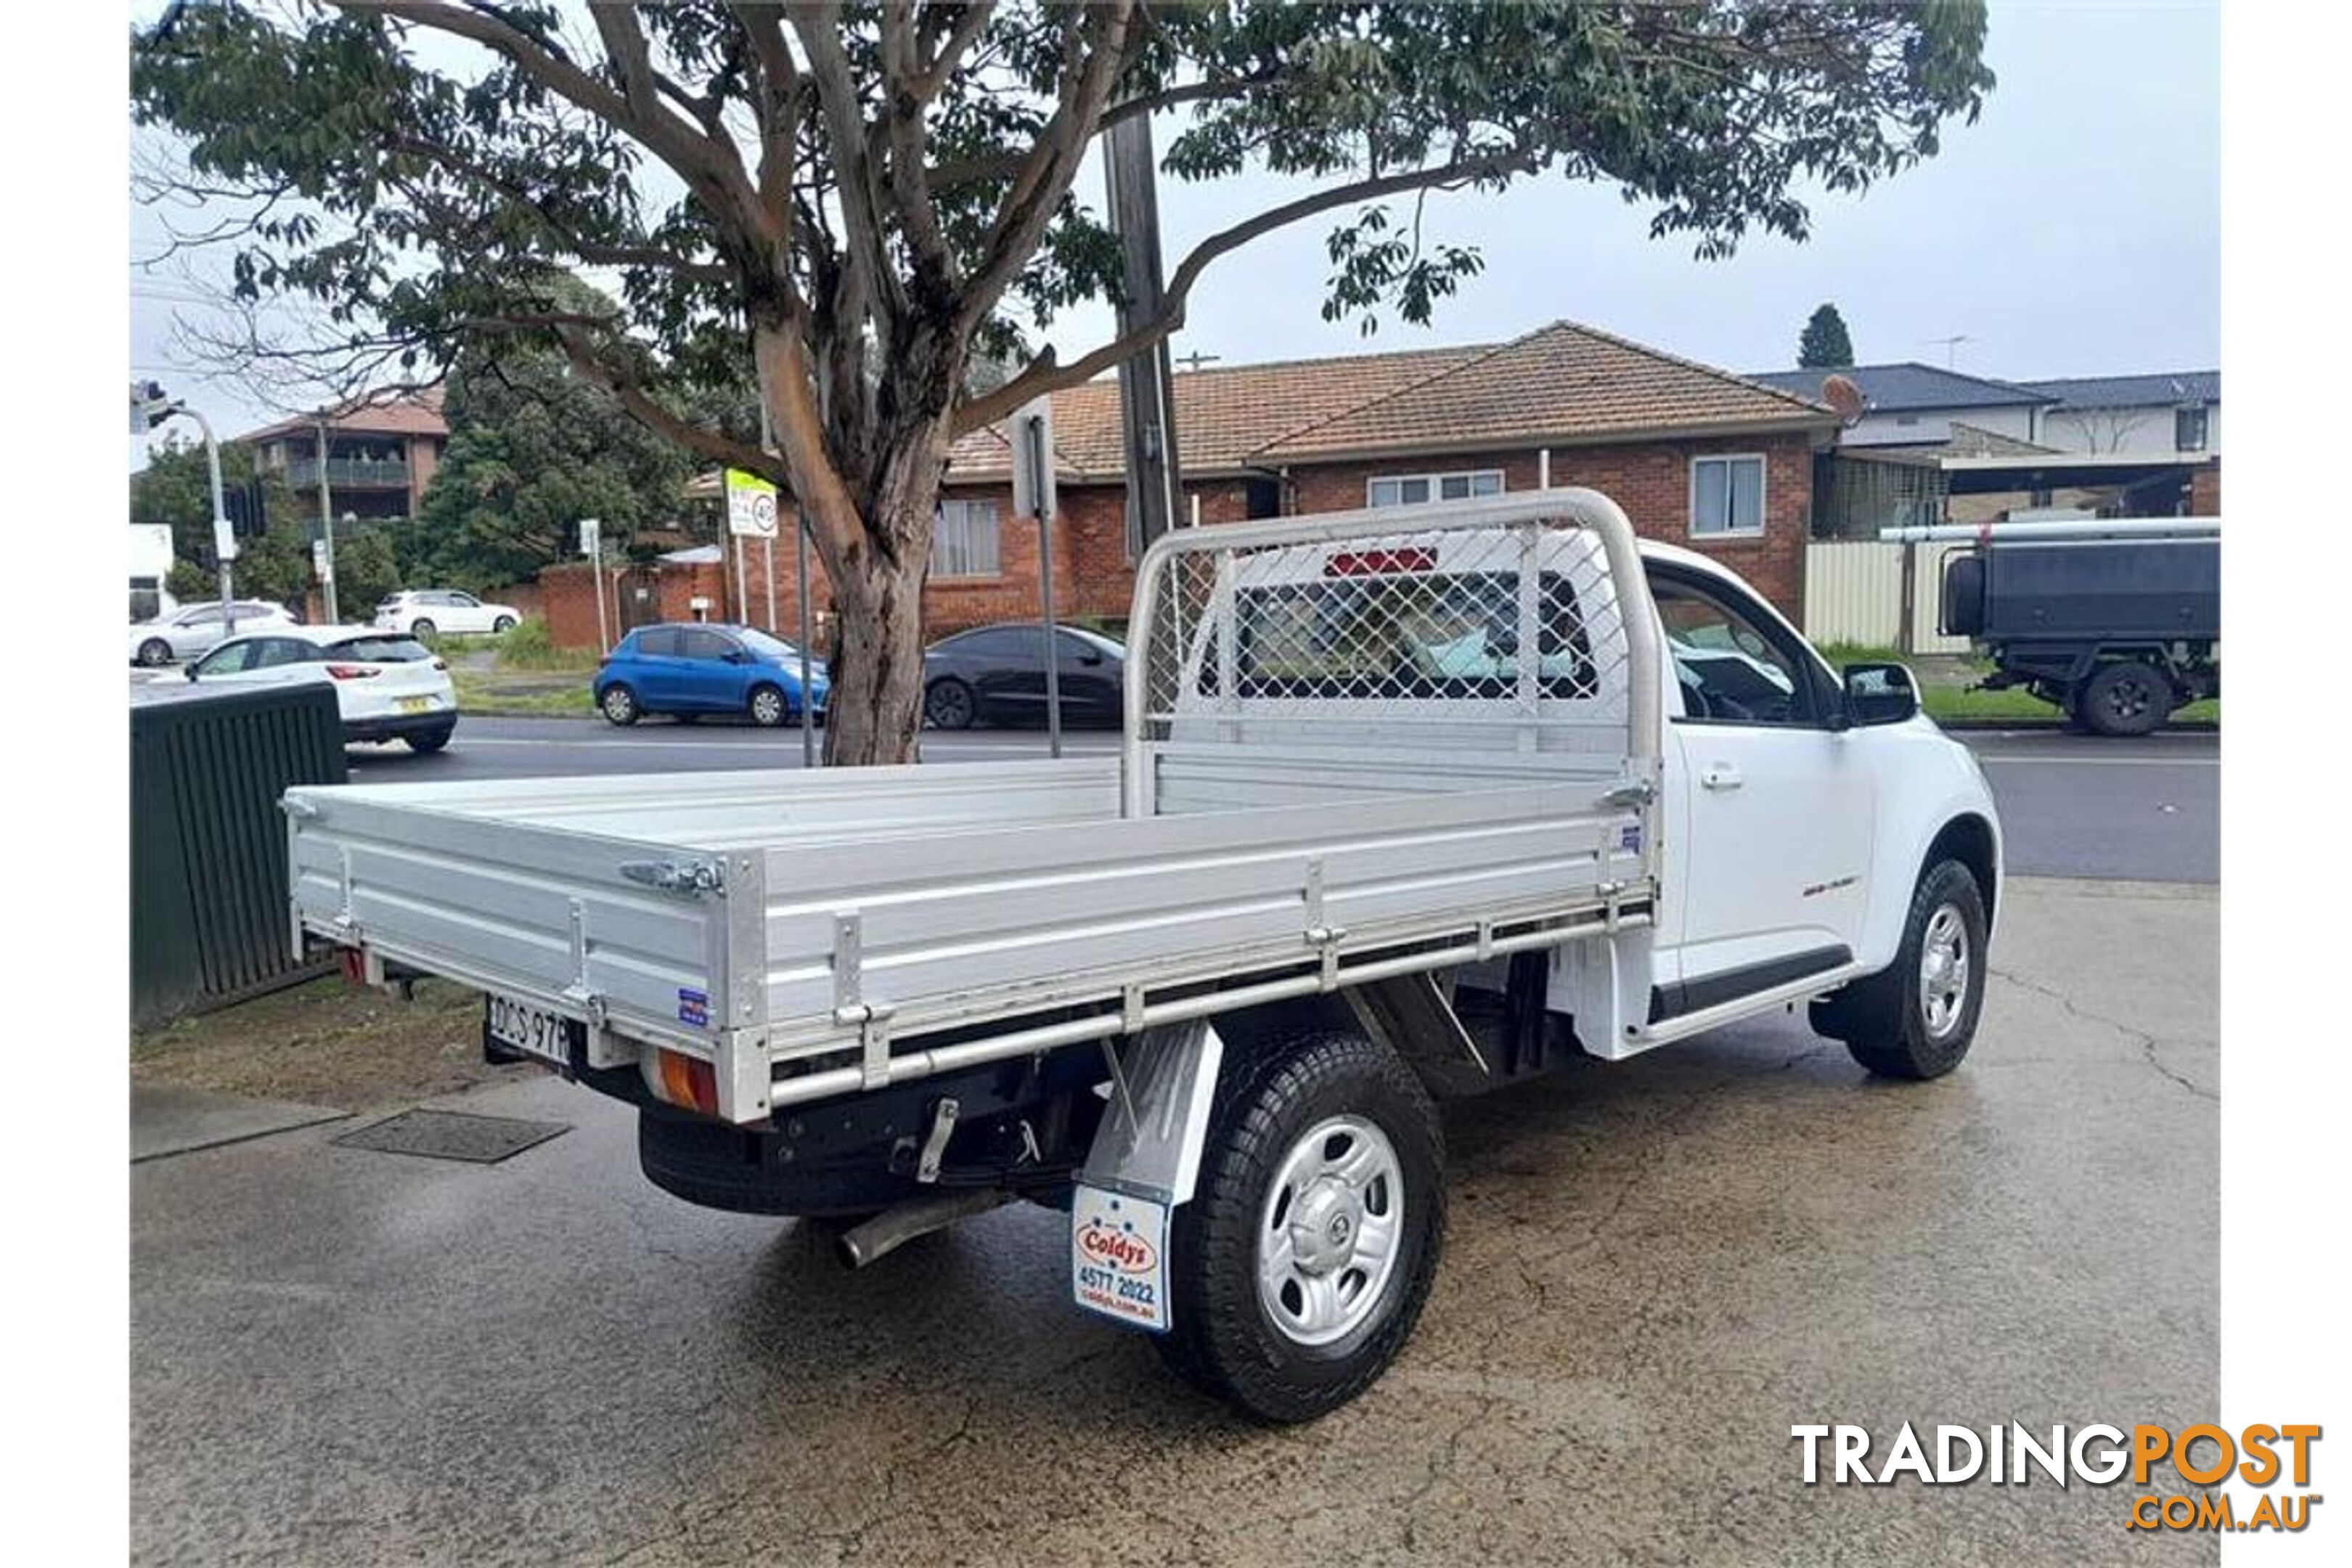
point(534, 1031)
point(1118, 1257)
point(415, 704)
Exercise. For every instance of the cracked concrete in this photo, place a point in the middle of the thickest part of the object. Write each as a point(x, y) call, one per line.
point(1654, 1269)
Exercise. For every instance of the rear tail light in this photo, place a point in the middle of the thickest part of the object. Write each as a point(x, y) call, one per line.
point(352, 671)
point(690, 1082)
point(1379, 563)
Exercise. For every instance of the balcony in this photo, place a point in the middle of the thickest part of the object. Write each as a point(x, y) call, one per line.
point(361, 473)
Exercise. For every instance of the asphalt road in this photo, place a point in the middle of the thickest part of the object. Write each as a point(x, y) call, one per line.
point(1652, 1270)
point(2073, 806)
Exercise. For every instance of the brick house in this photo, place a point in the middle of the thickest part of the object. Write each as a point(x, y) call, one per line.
point(1696, 457)
point(381, 454)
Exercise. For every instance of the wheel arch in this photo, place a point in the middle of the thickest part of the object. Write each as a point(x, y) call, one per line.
point(1970, 839)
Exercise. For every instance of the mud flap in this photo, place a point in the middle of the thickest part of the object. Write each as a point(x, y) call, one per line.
point(1144, 1161)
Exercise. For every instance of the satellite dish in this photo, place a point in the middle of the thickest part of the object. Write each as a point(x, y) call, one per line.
point(1840, 394)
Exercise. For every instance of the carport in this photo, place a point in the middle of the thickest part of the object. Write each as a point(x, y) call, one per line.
point(2139, 486)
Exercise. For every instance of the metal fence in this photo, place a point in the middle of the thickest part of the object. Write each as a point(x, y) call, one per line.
point(1854, 594)
point(209, 920)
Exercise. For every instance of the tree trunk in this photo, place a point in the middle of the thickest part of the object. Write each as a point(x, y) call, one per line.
point(875, 709)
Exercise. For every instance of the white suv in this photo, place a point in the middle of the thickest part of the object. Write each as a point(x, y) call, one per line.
point(388, 687)
point(425, 612)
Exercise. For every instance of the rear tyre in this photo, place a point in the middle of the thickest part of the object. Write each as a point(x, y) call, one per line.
point(619, 705)
point(948, 704)
point(154, 651)
point(1298, 1270)
point(431, 741)
point(421, 629)
point(768, 707)
point(2127, 698)
point(1916, 1017)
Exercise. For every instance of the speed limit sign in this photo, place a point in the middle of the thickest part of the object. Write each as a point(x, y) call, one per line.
point(751, 505)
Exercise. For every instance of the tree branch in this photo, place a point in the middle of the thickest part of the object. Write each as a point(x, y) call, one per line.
point(1047, 375)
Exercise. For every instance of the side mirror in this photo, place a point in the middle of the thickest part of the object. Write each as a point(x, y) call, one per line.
point(1090, 656)
point(1880, 694)
point(190, 672)
point(738, 656)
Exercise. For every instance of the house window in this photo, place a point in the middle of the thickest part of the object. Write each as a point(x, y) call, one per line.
point(1411, 489)
point(963, 540)
point(1727, 496)
point(2189, 430)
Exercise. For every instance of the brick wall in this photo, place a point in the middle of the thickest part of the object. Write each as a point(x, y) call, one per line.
point(1093, 580)
point(1650, 479)
point(2205, 490)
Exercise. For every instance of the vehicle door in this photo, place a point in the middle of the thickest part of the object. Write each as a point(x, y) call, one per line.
point(1775, 798)
point(658, 673)
point(194, 630)
point(235, 664)
point(1090, 678)
point(465, 614)
point(714, 673)
point(1009, 672)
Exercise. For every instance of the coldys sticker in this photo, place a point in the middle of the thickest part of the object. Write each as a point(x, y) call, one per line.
point(1118, 1257)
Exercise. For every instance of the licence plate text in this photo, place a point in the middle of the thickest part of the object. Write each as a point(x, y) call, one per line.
point(534, 1031)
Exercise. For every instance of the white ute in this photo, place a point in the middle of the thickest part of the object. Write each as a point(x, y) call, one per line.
point(1412, 802)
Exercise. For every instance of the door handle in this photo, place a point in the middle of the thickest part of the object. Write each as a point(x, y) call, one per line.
point(1721, 776)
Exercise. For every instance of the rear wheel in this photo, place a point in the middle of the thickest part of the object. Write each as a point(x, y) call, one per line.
point(154, 651)
point(421, 628)
point(430, 740)
point(948, 704)
point(1298, 1270)
point(1916, 1017)
point(2127, 698)
point(768, 708)
point(619, 704)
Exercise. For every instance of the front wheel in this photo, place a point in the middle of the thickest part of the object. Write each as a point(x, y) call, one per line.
point(1298, 1270)
point(502, 625)
point(619, 704)
point(1916, 1017)
point(768, 708)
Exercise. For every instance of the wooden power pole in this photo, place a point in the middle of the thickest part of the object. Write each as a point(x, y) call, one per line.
point(1147, 399)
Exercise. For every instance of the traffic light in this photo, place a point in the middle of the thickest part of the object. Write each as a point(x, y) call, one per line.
point(150, 406)
point(247, 506)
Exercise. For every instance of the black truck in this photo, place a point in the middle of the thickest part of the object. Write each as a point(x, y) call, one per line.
point(2117, 630)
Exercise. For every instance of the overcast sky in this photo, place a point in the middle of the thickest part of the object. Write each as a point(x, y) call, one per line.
point(2075, 229)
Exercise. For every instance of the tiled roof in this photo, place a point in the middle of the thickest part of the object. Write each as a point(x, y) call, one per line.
point(408, 413)
point(2165, 389)
point(1892, 388)
point(1563, 381)
point(1224, 415)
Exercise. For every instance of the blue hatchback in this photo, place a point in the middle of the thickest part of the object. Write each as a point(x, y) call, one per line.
point(694, 669)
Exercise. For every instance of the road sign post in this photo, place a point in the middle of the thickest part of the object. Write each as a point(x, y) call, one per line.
point(1033, 489)
point(592, 545)
point(750, 514)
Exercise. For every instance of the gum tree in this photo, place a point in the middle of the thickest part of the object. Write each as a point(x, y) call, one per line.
point(819, 189)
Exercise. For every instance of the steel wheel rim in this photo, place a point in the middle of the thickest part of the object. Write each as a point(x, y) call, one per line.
point(767, 707)
point(1330, 1231)
point(1943, 971)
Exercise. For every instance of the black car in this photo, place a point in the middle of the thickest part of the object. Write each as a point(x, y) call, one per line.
point(996, 675)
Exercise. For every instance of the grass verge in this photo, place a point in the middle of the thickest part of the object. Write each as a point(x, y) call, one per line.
point(488, 695)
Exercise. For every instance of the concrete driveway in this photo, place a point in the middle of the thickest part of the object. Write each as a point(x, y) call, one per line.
point(1653, 1270)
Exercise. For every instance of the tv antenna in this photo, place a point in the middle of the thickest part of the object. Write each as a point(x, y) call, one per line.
point(1950, 344)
